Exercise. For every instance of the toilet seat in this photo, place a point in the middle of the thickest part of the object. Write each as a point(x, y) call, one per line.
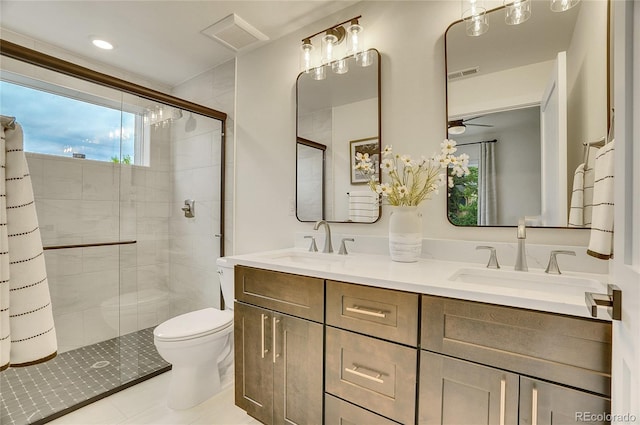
point(195, 324)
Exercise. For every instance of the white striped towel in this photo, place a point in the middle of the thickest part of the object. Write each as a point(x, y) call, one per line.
point(30, 336)
point(601, 241)
point(576, 210)
point(363, 206)
point(589, 176)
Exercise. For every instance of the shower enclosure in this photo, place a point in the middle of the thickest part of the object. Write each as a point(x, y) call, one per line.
point(111, 175)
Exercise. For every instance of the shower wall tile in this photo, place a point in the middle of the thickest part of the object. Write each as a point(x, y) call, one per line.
point(100, 181)
point(96, 328)
point(192, 152)
point(101, 258)
point(62, 179)
point(63, 262)
point(69, 331)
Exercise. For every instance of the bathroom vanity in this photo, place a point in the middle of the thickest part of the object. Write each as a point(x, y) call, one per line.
point(363, 340)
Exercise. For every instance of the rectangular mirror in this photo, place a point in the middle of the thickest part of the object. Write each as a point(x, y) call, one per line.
point(522, 101)
point(335, 116)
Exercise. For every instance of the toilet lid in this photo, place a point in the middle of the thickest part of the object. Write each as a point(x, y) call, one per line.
point(194, 324)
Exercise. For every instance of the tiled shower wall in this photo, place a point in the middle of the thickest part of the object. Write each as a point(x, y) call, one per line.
point(97, 291)
point(196, 166)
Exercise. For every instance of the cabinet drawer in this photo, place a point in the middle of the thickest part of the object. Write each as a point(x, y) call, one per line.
point(377, 375)
point(292, 294)
point(383, 313)
point(339, 412)
point(568, 350)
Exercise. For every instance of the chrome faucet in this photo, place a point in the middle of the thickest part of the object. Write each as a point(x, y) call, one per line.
point(328, 248)
point(521, 256)
point(552, 267)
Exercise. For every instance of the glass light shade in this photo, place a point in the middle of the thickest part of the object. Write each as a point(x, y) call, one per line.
point(474, 15)
point(562, 5)
point(319, 73)
point(340, 66)
point(365, 58)
point(306, 56)
point(355, 38)
point(517, 11)
point(328, 44)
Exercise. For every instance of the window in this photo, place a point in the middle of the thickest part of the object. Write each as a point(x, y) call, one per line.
point(64, 122)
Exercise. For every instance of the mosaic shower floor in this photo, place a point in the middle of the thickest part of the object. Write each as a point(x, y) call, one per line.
point(40, 393)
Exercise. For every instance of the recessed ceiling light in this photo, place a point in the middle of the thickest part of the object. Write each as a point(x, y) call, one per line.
point(102, 44)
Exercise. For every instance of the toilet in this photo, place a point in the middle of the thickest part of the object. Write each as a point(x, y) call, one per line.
point(199, 346)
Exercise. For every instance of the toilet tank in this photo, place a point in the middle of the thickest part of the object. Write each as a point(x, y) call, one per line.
point(225, 274)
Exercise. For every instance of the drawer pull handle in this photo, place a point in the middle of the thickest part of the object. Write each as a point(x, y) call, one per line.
point(355, 371)
point(362, 310)
point(534, 406)
point(503, 401)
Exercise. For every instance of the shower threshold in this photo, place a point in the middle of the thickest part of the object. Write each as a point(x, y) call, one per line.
point(41, 393)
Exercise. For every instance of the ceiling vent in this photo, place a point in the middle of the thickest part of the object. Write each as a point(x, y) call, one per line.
point(454, 75)
point(234, 32)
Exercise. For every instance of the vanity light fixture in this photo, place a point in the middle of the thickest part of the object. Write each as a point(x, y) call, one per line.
point(474, 15)
point(562, 5)
point(516, 11)
point(333, 53)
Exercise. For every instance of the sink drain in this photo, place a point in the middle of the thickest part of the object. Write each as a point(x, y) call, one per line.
point(100, 364)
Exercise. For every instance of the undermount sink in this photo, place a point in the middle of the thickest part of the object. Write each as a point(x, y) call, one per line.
point(298, 257)
point(536, 281)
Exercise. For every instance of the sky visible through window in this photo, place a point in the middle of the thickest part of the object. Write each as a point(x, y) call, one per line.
point(58, 125)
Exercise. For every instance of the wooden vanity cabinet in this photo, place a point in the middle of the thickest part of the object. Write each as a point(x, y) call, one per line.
point(472, 346)
point(278, 356)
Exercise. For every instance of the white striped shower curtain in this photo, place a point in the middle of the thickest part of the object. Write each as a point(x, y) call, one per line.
point(27, 333)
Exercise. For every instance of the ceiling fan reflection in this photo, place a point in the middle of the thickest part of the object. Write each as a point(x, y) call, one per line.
point(460, 126)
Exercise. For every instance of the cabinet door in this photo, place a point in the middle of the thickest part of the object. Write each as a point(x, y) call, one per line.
point(298, 365)
point(456, 392)
point(253, 361)
point(542, 403)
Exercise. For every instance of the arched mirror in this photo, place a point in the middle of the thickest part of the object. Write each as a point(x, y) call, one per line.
point(337, 117)
point(529, 103)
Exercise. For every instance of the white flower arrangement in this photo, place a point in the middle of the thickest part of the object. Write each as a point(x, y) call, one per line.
point(411, 181)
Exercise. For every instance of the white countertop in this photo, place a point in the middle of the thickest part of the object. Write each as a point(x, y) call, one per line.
point(434, 277)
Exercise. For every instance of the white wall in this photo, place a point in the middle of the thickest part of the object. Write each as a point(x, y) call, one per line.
point(499, 91)
point(586, 88)
point(410, 38)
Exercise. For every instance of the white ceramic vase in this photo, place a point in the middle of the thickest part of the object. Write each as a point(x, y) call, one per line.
point(405, 234)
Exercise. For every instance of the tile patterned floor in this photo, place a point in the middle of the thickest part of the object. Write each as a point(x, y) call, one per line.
point(31, 394)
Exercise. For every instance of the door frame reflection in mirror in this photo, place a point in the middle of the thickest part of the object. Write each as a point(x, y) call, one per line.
point(310, 172)
point(575, 106)
point(337, 191)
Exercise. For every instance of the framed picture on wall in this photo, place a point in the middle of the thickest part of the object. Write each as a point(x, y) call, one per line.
point(371, 146)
